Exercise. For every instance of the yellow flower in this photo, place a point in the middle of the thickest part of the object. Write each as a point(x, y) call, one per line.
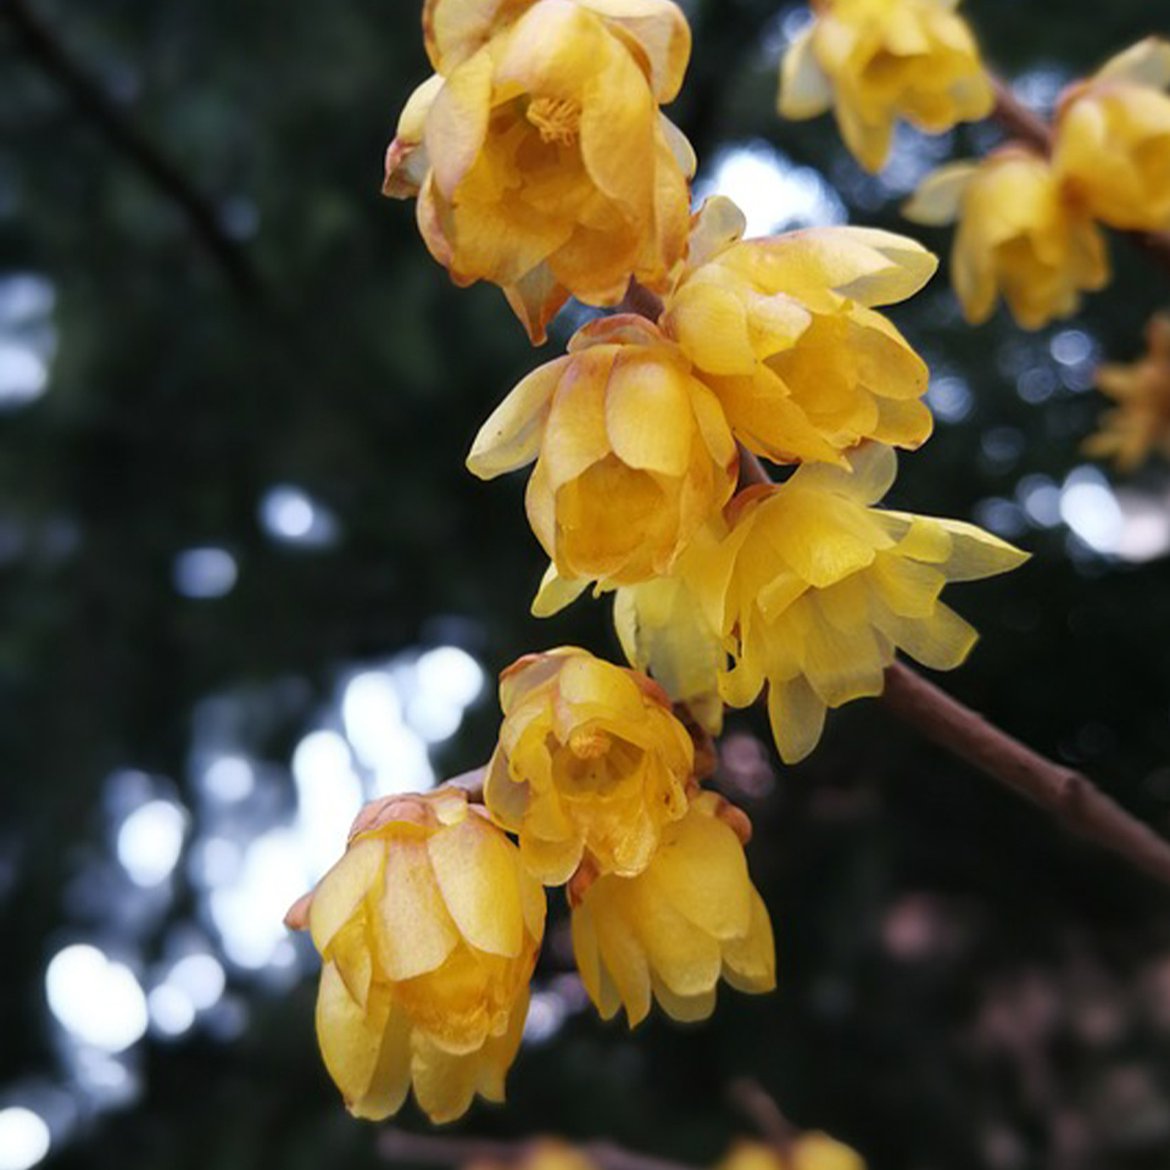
point(875, 61)
point(538, 153)
point(429, 928)
point(633, 454)
point(1141, 422)
point(1018, 235)
point(591, 765)
point(783, 331)
point(690, 916)
point(1112, 149)
point(807, 1151)
point(664, 631)
point(814, 590)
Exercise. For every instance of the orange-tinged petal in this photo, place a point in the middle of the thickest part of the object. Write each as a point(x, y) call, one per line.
point(477, 878)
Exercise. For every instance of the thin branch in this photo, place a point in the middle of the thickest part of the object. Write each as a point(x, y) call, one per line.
point(760, 1108)
point(42, 46)
point(1069, 795)
point(425, 1149)
point(1027, 126)
point(1018, 120)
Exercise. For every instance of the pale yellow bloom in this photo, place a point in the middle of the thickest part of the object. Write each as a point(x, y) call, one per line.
point(691, 916)
point(1112, 149)
point(807, 1151)
point(814, 590)
point(429, 928)
point(590, 767)
point(783, 330)
point(633, 454)
point(538, 152)
point(876, 61)
point(1019, 235)
point(1141, 421)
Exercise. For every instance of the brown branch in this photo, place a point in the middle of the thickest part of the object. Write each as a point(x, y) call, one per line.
point(760, 1108)
point(42, 46)
point(1028, 127)
point(426, 1149)
point(1069, 795)
point(1019, 121)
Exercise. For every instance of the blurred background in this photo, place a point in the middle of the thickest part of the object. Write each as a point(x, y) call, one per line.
point(246, 584)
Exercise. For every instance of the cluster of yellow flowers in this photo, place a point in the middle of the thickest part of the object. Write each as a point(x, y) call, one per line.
point(430, 925)
point(541, 163)
point(1028, 222)
point(774, 344)
point(1028, 219)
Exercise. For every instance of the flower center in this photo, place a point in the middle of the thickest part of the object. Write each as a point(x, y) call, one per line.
point(589, 744)
point(557, 119)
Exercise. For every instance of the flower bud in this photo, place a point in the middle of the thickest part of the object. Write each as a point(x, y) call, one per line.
point(669, 933)
point(429, 928)
point(591, 764)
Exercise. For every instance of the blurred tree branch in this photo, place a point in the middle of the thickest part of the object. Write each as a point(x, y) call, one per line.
point(43, 47)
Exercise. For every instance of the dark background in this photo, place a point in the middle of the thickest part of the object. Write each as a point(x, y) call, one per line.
point(961, 985)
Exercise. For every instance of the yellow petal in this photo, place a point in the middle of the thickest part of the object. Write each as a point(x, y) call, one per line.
point(940, 195)
point(390, 1080)
point(444, 1082)
point(555, 593)
point(457, 121)
point(685, 1009)
point(340, 892)
point(718, 224)
point(476, 875)
point(711, 325)
point(455, 29)
point(870, 266)
point(661, 32)
point(511, 436)
point(618, 121)
point(648, 416)
point(350, 1037)
point(797, 717)
point(622, 954)
point(1146, 63)
point(749, 963)
point(704, 876)
point(412, 927)
point(805, 88)
point(536, 298)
